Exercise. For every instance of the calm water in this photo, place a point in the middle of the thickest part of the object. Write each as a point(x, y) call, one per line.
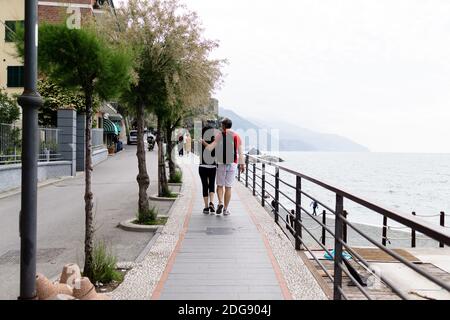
point(402, 182)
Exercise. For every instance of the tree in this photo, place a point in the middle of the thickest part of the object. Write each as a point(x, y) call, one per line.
point(82, 61)
point(162, 35)
point(9, 110)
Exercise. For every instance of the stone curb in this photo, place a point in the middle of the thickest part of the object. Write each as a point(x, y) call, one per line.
point(128, 225)
point(156, 198)
point(175, 184)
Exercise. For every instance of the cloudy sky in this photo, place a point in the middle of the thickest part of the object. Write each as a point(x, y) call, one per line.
point(375, 71)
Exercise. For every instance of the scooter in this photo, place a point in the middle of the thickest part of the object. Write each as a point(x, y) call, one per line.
point(151, 143)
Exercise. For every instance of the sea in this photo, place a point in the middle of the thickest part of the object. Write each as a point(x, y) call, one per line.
point(401, 182)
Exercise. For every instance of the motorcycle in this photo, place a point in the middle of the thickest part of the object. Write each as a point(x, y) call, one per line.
point(151, 143)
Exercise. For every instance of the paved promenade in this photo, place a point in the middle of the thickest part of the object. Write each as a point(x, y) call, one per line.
point(223, 258)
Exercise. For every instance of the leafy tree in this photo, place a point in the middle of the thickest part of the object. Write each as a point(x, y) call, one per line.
point(83, 62)
point(55, 97)
point(9, 110)
point(168, 51)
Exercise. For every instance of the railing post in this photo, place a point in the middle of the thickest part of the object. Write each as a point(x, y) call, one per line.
point(442, 223)
point(338, 231)
point(277, 193)
point(263, 185)
point(298, 213)
point(246, 170)
point(324, 221)
point(254, 178)
point(344, 229)
point(384, 240)
point(413, 235)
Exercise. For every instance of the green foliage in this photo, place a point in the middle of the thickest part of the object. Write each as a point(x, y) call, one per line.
point(177, 177)
point(147, 216)
point(104, 265)
point(166, 193)
point(158, 222)
point(80, 60)
point(9, 110)
point(56, 97)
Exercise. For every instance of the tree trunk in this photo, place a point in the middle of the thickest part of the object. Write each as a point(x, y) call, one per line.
point(88, 195)
point(170, 155)
point(142, 177)
point(163, 185)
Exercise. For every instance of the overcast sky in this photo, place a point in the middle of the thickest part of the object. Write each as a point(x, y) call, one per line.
point(375, 71)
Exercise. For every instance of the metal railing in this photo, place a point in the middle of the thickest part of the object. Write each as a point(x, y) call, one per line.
point(11, 144)
point(265, 180)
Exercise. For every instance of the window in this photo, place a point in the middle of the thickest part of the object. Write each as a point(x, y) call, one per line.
point(10, 29)
point(15, 77)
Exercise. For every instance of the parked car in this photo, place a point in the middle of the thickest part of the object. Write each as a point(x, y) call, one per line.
point(132, 137)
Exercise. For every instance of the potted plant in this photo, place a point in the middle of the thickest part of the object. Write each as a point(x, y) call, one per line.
point(111, 149)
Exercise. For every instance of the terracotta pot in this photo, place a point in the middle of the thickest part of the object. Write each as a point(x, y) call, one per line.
point(70, 273)
point(46, 289)
point(85, 290)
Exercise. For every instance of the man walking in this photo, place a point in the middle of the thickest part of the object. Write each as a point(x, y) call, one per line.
point(230, 158)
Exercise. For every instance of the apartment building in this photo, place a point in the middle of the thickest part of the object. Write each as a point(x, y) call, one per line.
point(12, 15)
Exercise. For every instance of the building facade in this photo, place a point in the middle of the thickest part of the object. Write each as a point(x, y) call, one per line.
point(12, 13)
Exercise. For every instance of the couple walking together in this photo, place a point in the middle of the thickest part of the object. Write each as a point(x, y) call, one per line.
point(221, 156)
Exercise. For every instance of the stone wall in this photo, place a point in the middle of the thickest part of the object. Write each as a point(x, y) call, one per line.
point(11, 175)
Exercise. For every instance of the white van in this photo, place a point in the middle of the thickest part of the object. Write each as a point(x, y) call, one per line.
point(132, 137)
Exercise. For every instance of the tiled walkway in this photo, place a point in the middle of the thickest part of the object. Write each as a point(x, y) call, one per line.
point(222, 258)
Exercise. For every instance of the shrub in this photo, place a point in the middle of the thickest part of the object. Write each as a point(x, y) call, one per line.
point(148, 216)
point(104, 265)
point(166, 193)
point(177, 177)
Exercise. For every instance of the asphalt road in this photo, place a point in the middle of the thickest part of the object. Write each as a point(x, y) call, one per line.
point(61, 219)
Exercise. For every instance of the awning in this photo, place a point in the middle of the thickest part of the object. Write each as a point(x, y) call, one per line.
point(118, 125)
point(109, 127)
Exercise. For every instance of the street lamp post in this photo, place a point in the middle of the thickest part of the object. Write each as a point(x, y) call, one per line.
point(30, 101)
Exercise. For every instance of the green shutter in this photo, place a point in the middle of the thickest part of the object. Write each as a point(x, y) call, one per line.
point(15, 76)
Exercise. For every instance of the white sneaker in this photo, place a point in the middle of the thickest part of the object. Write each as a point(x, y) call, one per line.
point(226, 212)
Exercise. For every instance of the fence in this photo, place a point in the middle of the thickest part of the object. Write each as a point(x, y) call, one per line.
point(11, 144)
point(265, 179)
point(97, 138)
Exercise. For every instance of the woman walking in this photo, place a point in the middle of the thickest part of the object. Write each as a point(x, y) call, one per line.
point(207, 171)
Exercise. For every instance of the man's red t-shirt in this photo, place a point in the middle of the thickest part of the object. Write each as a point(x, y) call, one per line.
point(227, 149)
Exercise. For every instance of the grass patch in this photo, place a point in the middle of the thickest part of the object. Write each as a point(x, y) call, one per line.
point(157, 222)
point(105, 265)
point(177, 177)
point(168, 194)
point(147, 216)
point(150, 218)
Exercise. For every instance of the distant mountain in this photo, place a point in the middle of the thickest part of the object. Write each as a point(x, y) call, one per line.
point(294, 138)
